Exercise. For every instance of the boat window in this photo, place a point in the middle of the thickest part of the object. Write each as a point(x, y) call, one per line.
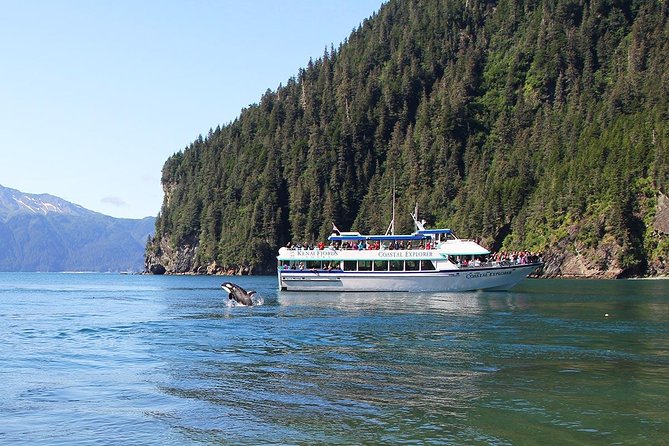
point(412, 265)
point(380, 265)
point(313, 264)
point(397, 265)
point(364, 265)
point(426, 265)
point(350, 265)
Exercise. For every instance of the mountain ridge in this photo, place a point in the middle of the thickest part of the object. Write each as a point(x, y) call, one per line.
point(42, 232)
point(13, 201)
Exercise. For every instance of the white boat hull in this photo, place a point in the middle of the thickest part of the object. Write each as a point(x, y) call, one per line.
point(467, 279)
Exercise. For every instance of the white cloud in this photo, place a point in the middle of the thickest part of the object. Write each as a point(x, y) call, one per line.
point(115, 201)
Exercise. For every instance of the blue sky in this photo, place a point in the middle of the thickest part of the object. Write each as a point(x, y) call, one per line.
point(96, 95)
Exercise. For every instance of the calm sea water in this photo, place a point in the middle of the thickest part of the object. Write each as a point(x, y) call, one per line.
point(111, 359)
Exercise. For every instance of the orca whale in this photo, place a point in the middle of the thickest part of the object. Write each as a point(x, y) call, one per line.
point(238, 293)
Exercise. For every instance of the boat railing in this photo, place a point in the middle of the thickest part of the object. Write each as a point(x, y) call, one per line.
point(472, 265)
point(499, 263)
point(350, 248)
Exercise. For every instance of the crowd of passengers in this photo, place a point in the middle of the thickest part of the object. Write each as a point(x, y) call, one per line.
point(362, 245)
point(501, 258)
point(498, 258)
point(328, 266)
point(514, 257)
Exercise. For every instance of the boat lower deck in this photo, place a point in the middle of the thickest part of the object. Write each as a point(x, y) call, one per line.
point(465, 279)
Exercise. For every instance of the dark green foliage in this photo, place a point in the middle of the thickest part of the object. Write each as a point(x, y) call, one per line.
point(509, 120)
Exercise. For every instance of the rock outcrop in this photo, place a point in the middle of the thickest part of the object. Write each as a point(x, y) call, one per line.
point(569, 259)
point(183, 260)
point(661, 221)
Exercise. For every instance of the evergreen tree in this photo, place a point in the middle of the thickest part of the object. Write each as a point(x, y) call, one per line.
point(526, 123)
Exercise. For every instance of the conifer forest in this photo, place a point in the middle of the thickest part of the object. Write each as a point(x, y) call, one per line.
point(539, 125)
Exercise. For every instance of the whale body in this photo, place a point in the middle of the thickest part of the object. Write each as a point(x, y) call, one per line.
point(238, 293)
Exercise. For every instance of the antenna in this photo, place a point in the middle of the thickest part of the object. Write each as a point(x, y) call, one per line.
point(391, 227)
point(419, 224)
point(392, 224)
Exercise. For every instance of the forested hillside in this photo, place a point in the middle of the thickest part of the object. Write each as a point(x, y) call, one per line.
point(536, 124)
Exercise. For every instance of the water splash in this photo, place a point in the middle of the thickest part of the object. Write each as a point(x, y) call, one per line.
point(256, 299)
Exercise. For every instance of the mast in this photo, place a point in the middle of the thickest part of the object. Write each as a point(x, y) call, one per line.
point(393, 220)
point(419, 224)
point(414, 216)
point(391, 227)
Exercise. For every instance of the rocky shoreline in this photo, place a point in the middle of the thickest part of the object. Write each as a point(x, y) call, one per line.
point(568, 258)
point(558, 264)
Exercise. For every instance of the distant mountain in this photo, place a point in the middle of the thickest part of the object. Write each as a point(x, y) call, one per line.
point(46, 233)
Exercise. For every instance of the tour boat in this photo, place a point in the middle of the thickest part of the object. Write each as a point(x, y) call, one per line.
point(432, 260)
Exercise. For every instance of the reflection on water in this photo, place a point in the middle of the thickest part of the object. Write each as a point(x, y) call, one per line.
point(328, 368)
point(448, 303)
point(167, 360)
point(493, 367)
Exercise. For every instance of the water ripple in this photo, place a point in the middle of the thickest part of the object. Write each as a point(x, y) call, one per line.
point(169, 360)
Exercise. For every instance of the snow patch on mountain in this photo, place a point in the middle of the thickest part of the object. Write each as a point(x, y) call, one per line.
point(14, 202)
point(46, 233)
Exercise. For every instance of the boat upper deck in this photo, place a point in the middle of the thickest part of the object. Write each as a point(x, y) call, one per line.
point(359, 247)
point(436, 245)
